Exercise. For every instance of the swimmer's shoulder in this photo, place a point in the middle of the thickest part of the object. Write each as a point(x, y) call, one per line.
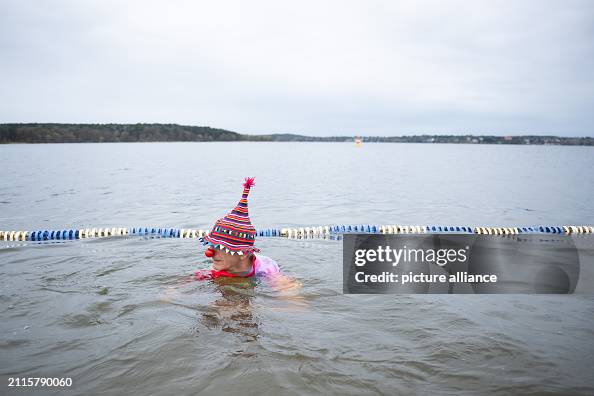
point(265, 266)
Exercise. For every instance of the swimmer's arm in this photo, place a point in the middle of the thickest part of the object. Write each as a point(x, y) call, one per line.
point(171, 291)
point(288, 289)
point(284, 285)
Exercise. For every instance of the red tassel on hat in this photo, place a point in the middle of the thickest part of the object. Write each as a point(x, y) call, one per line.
point(249, 181)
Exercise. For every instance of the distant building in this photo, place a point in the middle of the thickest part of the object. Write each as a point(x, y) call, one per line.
point(507, 138)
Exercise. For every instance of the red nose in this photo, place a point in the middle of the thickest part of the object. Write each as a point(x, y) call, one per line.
point(209, 252)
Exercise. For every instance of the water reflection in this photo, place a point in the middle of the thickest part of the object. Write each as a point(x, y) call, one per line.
point(232, 313)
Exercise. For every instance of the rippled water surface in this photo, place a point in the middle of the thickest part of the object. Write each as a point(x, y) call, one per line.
point(122, 316)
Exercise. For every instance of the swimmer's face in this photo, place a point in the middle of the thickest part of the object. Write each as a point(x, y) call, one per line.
point(223, 261)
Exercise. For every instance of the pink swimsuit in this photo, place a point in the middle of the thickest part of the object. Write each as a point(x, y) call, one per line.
point(265, 266)
point(261, 266)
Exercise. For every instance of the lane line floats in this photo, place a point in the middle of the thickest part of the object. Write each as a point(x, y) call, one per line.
point(299, 232)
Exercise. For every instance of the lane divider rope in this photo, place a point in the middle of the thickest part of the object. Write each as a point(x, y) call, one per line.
point(300, 232)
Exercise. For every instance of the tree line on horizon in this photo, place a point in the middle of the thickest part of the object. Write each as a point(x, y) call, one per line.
point(104, 133)
point(98, 133)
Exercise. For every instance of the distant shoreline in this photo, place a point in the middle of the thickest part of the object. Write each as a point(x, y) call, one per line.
point(130, 133)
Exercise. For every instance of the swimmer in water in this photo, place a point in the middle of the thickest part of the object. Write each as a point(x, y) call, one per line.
point(230, 244)
point(231, 247)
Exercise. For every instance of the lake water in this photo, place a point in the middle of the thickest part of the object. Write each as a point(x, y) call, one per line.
point(118, 316)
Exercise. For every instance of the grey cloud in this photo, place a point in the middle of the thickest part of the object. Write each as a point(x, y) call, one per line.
point(317, 68)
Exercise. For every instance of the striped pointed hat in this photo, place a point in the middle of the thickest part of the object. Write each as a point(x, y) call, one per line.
point(235, 232)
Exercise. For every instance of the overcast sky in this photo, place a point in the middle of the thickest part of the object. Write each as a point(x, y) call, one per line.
point(308, 67)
